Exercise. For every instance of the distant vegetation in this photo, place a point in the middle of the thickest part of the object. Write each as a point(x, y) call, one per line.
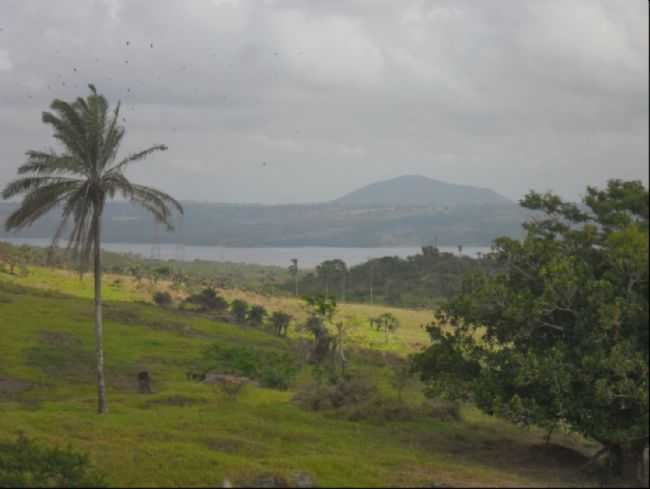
point(421, 280)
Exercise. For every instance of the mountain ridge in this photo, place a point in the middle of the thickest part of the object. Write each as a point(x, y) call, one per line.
point(398, 220)
point(420, 191)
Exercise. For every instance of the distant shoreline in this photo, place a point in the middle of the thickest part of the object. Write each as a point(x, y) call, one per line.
point(308, 256)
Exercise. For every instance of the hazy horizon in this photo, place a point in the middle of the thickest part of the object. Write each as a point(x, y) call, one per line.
point(292, 102)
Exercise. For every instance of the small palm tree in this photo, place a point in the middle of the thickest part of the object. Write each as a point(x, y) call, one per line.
point(79, 181)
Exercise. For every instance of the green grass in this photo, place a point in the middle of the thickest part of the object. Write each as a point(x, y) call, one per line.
point(189, 434)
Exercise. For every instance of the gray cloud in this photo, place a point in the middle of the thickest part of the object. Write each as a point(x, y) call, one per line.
point(332, 95)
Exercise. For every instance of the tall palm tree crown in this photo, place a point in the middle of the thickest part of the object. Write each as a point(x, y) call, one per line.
point(84, 176)
point(79, 181)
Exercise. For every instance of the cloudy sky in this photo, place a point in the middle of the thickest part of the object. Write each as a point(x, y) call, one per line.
point(297, 101)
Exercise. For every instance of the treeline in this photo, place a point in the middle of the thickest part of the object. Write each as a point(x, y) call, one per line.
point(420, 280)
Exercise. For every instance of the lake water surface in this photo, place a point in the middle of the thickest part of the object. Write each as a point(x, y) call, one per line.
point(308, 256)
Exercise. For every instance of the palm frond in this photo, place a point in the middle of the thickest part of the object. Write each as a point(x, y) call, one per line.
point(38, 202)
point(156, 202)
point(112, 139)
point(29, 184)
point(51, 163)
point(74, 142)
point(137, 156)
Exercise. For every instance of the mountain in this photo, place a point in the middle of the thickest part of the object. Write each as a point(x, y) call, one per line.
point(419, 191)
point(408, 211)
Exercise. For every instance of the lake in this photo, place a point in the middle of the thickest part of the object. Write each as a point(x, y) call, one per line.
point(308, 256)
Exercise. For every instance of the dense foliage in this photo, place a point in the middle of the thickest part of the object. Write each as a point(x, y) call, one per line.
point(25, 463)
point(271, 369)
point(560, 335)
point(420, 280)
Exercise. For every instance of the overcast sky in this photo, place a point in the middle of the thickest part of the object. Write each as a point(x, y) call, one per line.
point(299, 101)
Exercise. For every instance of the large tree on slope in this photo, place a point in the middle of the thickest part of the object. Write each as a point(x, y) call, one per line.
point(560, 335)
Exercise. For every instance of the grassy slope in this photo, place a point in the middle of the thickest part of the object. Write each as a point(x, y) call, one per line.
point(46, 339)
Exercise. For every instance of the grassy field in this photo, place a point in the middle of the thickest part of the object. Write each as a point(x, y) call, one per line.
point(190, 434)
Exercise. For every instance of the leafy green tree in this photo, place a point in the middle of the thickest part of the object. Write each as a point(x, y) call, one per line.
point(78, 182)
point(280, 322)
point(331, 271)
point(386, 323)
point(239, 309)
point(257, 314)
point(560, 334)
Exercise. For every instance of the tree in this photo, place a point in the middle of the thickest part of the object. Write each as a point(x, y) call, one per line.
point(293, 271)
point(280, 322)
point(321, 310)
point(257, 314)
point(239, 309)
point(387, 323)
point(331, 271)
point(560, 333)
point(78, 181)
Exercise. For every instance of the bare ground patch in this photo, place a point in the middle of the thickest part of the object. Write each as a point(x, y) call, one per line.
point(11, 387)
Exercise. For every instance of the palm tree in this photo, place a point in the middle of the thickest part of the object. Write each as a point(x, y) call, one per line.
point(79, 181)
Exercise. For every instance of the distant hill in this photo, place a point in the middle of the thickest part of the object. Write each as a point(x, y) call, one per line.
point(419, 191)
point(408, 211)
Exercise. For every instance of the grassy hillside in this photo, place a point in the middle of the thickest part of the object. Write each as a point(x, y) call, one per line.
point(190, 434)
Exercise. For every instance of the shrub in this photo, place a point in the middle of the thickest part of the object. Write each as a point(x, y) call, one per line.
point(209, 300)
point(379, 410)
point(257, 314)
point(162, 298)
point(442, 410)
point(270, 369)
point(277, 377)
point(318, 396)
point(24, 463)
point(232, 388)
point(239, 309)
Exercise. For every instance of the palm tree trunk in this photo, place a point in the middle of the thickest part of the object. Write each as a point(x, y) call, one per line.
point(99, 348)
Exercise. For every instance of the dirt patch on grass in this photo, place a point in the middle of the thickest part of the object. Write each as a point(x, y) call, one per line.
point(175, 401)
point(63, 358)
point(10, 387)
point(235, 446)
point(131, 318)
point(558, 455)
point(58, 338)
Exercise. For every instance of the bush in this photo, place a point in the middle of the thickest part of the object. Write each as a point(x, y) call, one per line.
point(257, 314)
point(277, 377)
point(442, 410)
point(239, 309)
point(270, 369)
point(379, 410)
point(24, 463)
point(162, 298)
point(208, 300)
point(346, 392)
